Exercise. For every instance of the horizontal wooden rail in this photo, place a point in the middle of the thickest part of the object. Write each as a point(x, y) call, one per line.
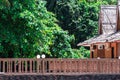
point(59, 66)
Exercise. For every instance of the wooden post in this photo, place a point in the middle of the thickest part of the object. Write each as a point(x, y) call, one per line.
point(43, 66)
point(3, 66)
point(30, 66)
point(19, 66)
point(38, 63)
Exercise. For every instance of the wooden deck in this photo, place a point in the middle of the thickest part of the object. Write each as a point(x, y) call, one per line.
point(59, 66)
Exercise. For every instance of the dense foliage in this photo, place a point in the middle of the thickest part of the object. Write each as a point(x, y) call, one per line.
point(27, 28)
point(79, 17)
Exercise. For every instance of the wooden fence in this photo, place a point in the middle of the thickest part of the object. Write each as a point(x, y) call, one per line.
point(59, 66)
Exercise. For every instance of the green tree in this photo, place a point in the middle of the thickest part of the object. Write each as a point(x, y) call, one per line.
point(79, 17)
point(28, 29)
point(62, 47)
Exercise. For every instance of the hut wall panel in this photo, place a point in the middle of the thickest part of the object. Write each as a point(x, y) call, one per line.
point(94, 50)
point(108, 53)
point(95, 53)
point(101, 53)
point(108, 50)
point(115, 49)
point(91, 50)
point(118, 49)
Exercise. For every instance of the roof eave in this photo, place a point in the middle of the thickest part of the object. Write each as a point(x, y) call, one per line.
point(86, 45)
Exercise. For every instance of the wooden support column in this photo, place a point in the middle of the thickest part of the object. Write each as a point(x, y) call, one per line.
point(114, 49)
point(108, 50)
point(118, 49)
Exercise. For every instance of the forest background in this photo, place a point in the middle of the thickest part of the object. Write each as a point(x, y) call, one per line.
point(50, 27)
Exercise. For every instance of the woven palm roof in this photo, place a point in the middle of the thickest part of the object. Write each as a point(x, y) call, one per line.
point(108, 19)
point(102, 38)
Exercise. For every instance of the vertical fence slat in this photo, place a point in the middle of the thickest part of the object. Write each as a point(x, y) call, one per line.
point(43, 66)
point(3, 66)
point(7, 66)
point(30, 66)
point(22, 70)
point(37, 66)
point(14, 64)
point(0, 66)
point(19, 66)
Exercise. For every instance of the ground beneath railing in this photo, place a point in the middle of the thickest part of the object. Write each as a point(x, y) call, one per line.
point(62, 77)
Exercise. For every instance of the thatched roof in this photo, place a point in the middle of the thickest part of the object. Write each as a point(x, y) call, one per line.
point(108, 19)
point(101, 38)
point(108, 26)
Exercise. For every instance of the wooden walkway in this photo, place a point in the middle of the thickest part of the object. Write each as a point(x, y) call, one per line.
point(59, 66)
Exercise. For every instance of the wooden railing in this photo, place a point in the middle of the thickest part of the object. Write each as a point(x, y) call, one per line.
point(59, 66)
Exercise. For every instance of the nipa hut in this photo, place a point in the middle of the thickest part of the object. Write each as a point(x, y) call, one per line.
point(107, 43)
